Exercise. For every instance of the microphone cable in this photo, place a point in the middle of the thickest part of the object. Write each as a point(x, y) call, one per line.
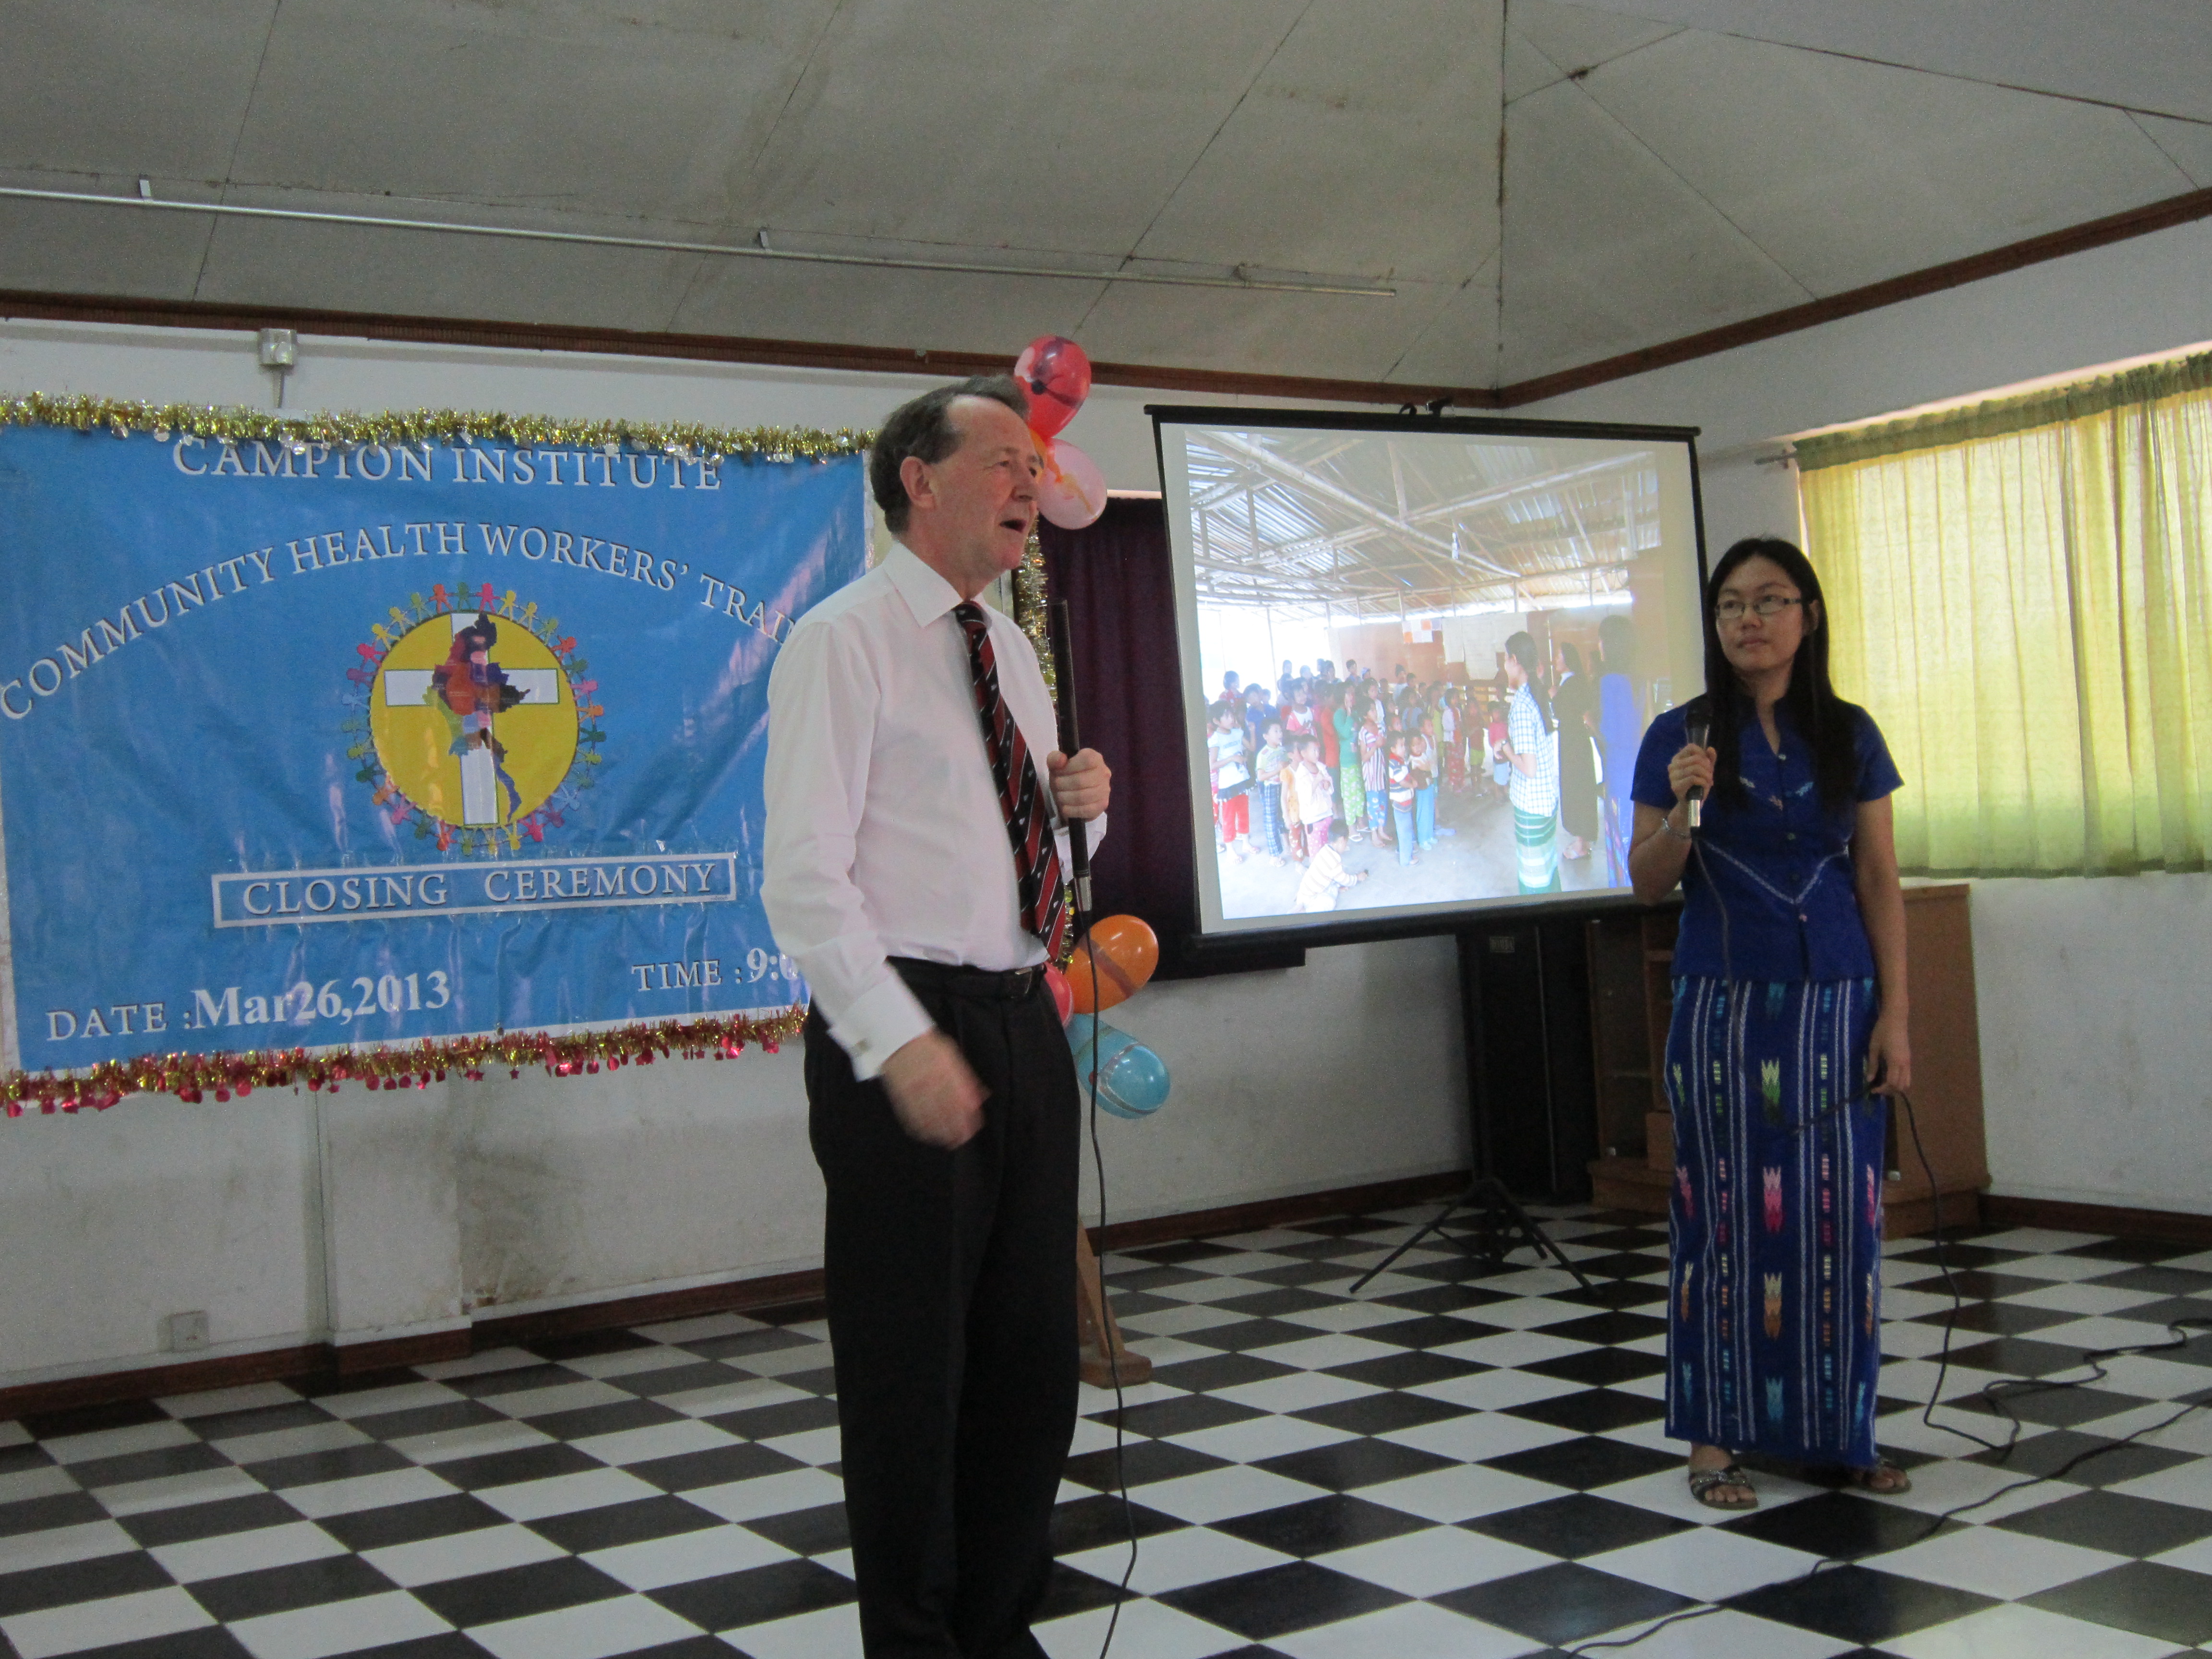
point(2093, 1358)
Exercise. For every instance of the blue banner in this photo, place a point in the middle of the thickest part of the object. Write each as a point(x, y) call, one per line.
point(311, 744)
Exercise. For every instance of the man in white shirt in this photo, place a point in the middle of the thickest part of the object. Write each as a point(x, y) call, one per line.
point(942, 1097)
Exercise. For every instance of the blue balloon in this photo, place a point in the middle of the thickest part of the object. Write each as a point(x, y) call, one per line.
point(1132, 1081)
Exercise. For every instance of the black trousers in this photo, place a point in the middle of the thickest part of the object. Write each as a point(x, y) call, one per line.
point(951, 1289)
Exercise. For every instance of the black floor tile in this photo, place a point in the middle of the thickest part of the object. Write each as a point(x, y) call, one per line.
point(1246, 1335)
point(682, 1379)
point(1094, 1522)
point(1070, 1590)
point(1351, 1464)
point(1185, 1414)
point(1447, 1298)
point(1957, 1253)
point(1155, 1277)
point(1406, 1371)
point(2168, 1603)
point(188, 1521)
point(280, 1589)
point(1838, 1524)
point(509, 1468)
point(1146, 1462)
point(2114, 1521)
point(779, 1591)
point(588, 1420)
point(772, 1422)
point(715, 1466)
point(61, 1509)
point(1995, 1318)
point(339, 1463)
point(1223, 1370)
point(1341, 1226)
point(209, 1642)
point(1607, 1327)
point(2096, 1461)
point(613, 1524)
point(322, 1385)
point(1294, 1273)
point(90, 1419)
point(2165, 1281)
point(1562, 1603)
point(817, 1531)
point(1380, 1414)
point(1576, 1525)
point(804, 1312)
point(1325, 1250)
point(1271, 1304)
point(2016, 1356)
point(1589, 1461)
point(578, 1345)
point(516, 1379)
point(1279, 1601)
point(409, 1523)
point(191, 1459)
point(79, 1581)
point(1600, 1366)
point(1623, 1264)
point(14, 1460)
point(1320, 1524)
point(487, 1598)
point(2140, 1250)
point(1979, 1285)
point(427, 1419)
point(1592, 1411)
point(741, 1346)
point(2055, 1407)
point(259, 1420)
point(1185, 1249)
point(1426, 1331)
point(1858, 1604)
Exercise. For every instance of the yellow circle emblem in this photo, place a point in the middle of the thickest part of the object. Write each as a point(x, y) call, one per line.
point(474, 720)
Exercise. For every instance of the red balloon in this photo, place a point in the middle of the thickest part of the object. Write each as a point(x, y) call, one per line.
point(1063, 995)
point(1056, 375)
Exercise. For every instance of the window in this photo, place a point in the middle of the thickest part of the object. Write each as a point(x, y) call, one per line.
point(2022, 593)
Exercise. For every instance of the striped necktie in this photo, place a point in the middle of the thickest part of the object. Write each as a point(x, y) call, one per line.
point(1043, 895)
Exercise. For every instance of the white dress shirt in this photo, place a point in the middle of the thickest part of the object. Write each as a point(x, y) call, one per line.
point(885, 834)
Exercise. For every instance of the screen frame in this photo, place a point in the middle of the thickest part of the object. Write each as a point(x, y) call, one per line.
point(1356, 929)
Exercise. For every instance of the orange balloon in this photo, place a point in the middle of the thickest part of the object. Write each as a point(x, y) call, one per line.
point(1127, 951)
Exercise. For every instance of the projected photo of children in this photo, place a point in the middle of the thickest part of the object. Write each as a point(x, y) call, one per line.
point(1427, 664)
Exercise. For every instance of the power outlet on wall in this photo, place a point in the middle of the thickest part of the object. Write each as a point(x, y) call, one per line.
point(181, 1333)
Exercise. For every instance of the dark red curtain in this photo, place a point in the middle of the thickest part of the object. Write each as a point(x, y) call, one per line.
point(1116, 579)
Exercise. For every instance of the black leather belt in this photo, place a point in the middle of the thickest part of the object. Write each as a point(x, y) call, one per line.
point(983, 984)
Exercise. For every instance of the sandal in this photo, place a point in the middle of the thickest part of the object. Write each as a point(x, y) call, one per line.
point(1703, 1482)
point(1884, 1479)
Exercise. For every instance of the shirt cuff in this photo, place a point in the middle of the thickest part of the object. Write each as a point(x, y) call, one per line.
point(879, 1023)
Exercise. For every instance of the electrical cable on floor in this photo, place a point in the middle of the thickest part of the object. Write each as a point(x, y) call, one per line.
point(2092, 1358)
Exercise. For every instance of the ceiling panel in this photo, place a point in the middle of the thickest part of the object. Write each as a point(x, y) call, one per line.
point(1459, 347)
point(136, 85)
point(1369, 144)
point(55, 248)
point(963, 122)
point(1579, 38)
point(1848, 173)
point(1606, 249)
point(1526, 70)
point(2188, 144)
point(1339, 337)
point(646, 111)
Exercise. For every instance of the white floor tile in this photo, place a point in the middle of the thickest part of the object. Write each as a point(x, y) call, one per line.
point(1300, 1391)
point(190, 1562)
point(1494, 1391)
point(118, 1442)
point(2039, 1241)
point(1412, 1629)
point(597, 1629)
point(1513, 1347)
point(828, 1634)
point(107, 1622)
point(1218, 1494)
point(1902, 1340)
point(700, 1328)
point(769, 1494)
point(1937, 1487)
point(2080, 1298)
point(632, 1362)
point(2006, 1565)
point(49, 1481)
point(1916, 1301)
point(1215, 1288)
point(172, 1490)
point(1949, 1438)
point(1533, 1283)
point(1147, 1629)
point(480, 1365)
point(290, 1443)
point(25, 1552)
point(1729, 1634)
point(2184, 1483)
point(250, 1396)
point(1171, 1560)
point(740, 1395)
point(2060, 1269)
point(1433, 1561)
point(1707, 1565)
point(1181, 1321)
point(2013, 1631)
point(2190, 1557)
point(2154, 1378)
point(487, 1549)
point(367, 1492)
point(687, 1557)
point(1478, 1436)
point(400, 1397)
point(1667, 1492)
point(1459, 1494)
point(657, 1440)
point(1092, 1435)
point(13, 1433)
point(1531, 1313)
point(1258, 1438)
point(525, 1403)
point(1169, 1350)
point(2101, 1331)
point(1090, 1398)
point(816, 1446)
point(564, 1494)
point(471, 1440)
point(1653, 1387)
point(1348, 1316)
point(1316, 1353)
point(782, 1361)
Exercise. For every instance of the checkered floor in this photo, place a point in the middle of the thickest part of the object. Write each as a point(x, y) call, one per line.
point(1454, 1464)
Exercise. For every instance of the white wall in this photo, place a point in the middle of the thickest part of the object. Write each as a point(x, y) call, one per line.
point(2096, 1046)
point(289, 1217)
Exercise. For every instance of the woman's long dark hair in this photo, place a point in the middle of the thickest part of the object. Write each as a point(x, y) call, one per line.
point(1521, 647)
point(1826, 721)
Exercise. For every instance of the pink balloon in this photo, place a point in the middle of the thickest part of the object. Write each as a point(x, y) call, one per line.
point(1070, 490)
point(1056, 374)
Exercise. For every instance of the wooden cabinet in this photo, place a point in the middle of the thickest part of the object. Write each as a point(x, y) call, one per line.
point(1631, 999)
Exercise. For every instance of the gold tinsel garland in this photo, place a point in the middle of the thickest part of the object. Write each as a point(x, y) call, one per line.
point(1033, 612)
point(447, 426)
point(192, 1077)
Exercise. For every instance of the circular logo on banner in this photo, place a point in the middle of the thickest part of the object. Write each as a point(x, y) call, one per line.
point(476, 720)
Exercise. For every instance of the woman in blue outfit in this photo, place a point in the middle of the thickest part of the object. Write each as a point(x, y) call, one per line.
point(1789, 1015)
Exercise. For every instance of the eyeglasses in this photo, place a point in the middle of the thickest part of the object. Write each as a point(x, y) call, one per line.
point(1766, 605)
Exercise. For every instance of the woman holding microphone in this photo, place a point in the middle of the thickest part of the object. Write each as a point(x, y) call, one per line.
point(1789, 1015)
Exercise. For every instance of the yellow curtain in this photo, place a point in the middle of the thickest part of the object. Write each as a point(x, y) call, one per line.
point(2021, 595)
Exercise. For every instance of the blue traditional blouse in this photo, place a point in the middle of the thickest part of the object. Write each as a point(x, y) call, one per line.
point(1776, 859)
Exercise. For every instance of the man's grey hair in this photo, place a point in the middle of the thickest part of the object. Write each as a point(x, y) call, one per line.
point(922, 426)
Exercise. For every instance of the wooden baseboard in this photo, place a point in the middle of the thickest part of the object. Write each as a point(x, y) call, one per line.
point(347, 1358)
point(780, 1290)
point(2168, 1226)
point(153, 1381)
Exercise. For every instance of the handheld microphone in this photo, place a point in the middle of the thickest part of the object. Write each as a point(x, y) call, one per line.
point(1698, 728)
point(1071, 740)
